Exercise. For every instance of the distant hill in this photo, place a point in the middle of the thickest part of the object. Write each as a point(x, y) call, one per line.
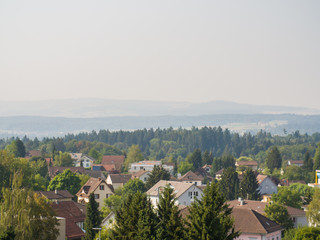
point(93, 108)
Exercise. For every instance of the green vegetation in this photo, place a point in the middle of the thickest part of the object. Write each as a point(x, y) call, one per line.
point(66, 180)
point(278, 213)
point(93, 218)
point(249, 186)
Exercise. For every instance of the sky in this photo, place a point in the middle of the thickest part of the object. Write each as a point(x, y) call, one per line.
point(256, 52)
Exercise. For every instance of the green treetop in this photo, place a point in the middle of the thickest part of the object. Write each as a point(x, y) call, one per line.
point(158, 173)
point(274, 159)
point(66, 180)
point(93, 218)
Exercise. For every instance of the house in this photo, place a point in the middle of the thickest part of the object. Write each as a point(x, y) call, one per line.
point(109, 168)
point(201, 172)
point(207, 168)
point(54, 171)
point(96, 174)
point(118, 180)
point(33, 153)
point(287, 183)
point(73, 216)
point(82, 160)
point(185, 193)
point(108, 221)
point(298, 216)
point(219, 174)
point(298, 163)
point(266, 185)
point(253, 225)
point(57, 195)
point(96, 186)
point(144, 165)
point(191, 177)
point(169, 167)
point(142, 175)
point(249, 164)
point(116, 160)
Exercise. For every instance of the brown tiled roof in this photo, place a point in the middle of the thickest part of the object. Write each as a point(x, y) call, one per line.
point(179, 187)
point(117, 160)
point(61, 194)
point(285, 182)
point(53, 171)
point(191, 176)
point(296, 161)
point(247, 163)
point(95, 174)
point(33, 153)
point(249, 221)
point(72, 214)
point(120, 178)
point(260, 206)
point(90, 186)
point(261, 178)
point(139, 174)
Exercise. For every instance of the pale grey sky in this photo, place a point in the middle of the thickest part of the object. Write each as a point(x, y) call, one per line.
point(258, 52)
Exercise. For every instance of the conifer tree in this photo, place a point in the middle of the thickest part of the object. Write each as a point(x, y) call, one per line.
point(210, 218)
point(229, 183)
point(93, 218)
point(158, 173)
point(170, 226)
point(274, 159)
point(316, 159)
point(307, 162)
point(134, 219)
point(249, 186)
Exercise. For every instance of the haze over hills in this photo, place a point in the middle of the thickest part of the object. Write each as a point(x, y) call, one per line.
point(60, 117)
point(90, 108)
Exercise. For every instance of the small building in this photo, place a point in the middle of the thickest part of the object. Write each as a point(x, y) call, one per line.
point(116, 160)
point(249, 164)
point(108, 221)
point(142, 175)
point(118, 180)
point(57, 195)
point(253, 225)
point(191, 177)
point(82, 160)
point(109, 168)
point(96, 186)
point(297, 216)
point(185, 193)
point(144, 165)
point(266, 185)
point(54, 171)
point(298, 163)
point(207, 168)
point(219, 174)
point(74, 219)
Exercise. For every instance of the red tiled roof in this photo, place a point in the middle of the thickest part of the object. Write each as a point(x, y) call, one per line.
point(139, 174)
point(120, 178)
point(53, 171)
point(73, 215)
point(191, 176)
point(58, 194)
point(117, 160)
point(90, 186)
point(261, 178)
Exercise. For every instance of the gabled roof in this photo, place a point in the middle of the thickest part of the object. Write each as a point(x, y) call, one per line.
point(260, 206)
point(261, 178)
point(119, 178)
point(90, 186)
point(117, 160)
point(246, 163)
point(179, 187)
point(53, 171)
point(95, 174)
point(285, 182)
point(148, 162)
point(76, 156)
point(296, 161)
point(191, 176)
point(220, 171)
point(72, 214)
point(57, 194)
point(250, 221)
point(139, 174)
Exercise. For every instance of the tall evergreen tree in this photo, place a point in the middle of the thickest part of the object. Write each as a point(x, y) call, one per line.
point(196, 159)
point(170, 226)
point(93, 218)
point(249, 186)
point(158, 173)
point(210, 218)
point(316, 158)
point(17, 148)
point(229, 183)
point(307, 162)
point(274, 159)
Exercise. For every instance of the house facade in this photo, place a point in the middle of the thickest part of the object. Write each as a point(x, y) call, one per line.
point(143, 165)
point(57, 195)
point(185, 193)
point(82, 160)
point(249, 164)
point(118, 180)
point(142, 175)
point(96, 186)
point(266, 185)
point(191, 177)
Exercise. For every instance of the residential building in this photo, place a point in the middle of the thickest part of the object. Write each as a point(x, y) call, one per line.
point(219, 174)
point(33, 153)
point(54, 171)
point(142, 175)
point(207, 168)
point(255, 226)
point(96, 186)
point(108, 221)
point(57, 195)
point(74, 218)
point(298, 163)
point(266, 185)
point(185, 193)
point(82, 160)
point(191, 177)
point(287, 183)
point(249, 164)
point(118, 180)
point(145, 165)
point(109, 168)
point(298, 216)
point(116, 160)
point(169, 167)
point(96, 174)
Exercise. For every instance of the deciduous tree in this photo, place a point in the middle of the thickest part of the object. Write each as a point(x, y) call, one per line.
point(279, 213)
point(66, 180)
point(313, 208)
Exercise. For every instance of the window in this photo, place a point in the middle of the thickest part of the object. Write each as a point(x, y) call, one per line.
point(145, 179)
point(101, 187)
point(195, 183)
point(293, 219)
point(190, 194)
point(195, 194)
point(107, 195)
point(96, 196)
point(141, 168)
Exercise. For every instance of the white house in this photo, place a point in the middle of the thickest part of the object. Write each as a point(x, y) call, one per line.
point(185, 193)
point(191, 177)
point(266, 185)
point(144, 165)
point(79, 158)
point(298, 163)
point(118, 180)
point(142, 175)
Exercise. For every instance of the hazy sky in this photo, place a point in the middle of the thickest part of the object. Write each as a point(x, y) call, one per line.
point(259, 52)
